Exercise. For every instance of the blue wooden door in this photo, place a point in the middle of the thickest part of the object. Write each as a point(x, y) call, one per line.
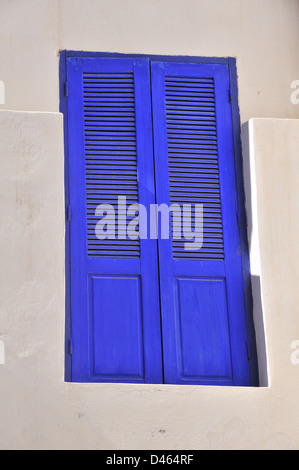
point(202, 295)
point(142, 310)
point(115, 310)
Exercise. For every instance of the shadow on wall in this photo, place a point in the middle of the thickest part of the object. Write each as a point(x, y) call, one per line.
point(260, 330)
point(253, 243)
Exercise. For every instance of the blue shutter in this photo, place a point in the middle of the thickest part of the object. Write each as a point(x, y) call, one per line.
point(115, 312)
point(202, 296)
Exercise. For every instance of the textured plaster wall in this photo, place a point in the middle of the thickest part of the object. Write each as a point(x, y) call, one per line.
point(261, 34)
point(38, 410)
point(271, 161)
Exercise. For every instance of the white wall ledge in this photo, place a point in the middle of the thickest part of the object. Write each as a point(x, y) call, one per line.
point(39, 410)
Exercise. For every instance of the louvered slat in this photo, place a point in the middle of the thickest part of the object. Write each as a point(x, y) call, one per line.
point(193, 160)
point(110, 157)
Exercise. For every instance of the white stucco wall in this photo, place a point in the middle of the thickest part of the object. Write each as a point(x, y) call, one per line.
point(38, 410)
point(261, 34)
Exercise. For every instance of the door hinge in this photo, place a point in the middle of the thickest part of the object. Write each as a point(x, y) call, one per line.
point(248, 346)
point(71, 347)
point(68, 213)
point(66, 89)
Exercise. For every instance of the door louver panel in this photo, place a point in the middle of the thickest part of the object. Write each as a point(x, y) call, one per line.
point(193, 160)
point(111, 158)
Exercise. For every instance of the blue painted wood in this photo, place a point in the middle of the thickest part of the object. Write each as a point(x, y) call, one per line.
point(114, 296)
point(253, 363)
point(63, 109)
point(203, 318)
point(182, 269)
point(151, 57)
point(204, 340)
point(117, 329)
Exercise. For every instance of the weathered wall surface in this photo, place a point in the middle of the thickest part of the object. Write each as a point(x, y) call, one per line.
point(261, 34)
point(38, 410)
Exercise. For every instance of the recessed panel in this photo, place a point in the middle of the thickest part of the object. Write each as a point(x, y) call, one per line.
point(116, 329)
point(204, 339)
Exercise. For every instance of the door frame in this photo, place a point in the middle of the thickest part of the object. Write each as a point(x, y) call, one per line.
point(234, 98)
